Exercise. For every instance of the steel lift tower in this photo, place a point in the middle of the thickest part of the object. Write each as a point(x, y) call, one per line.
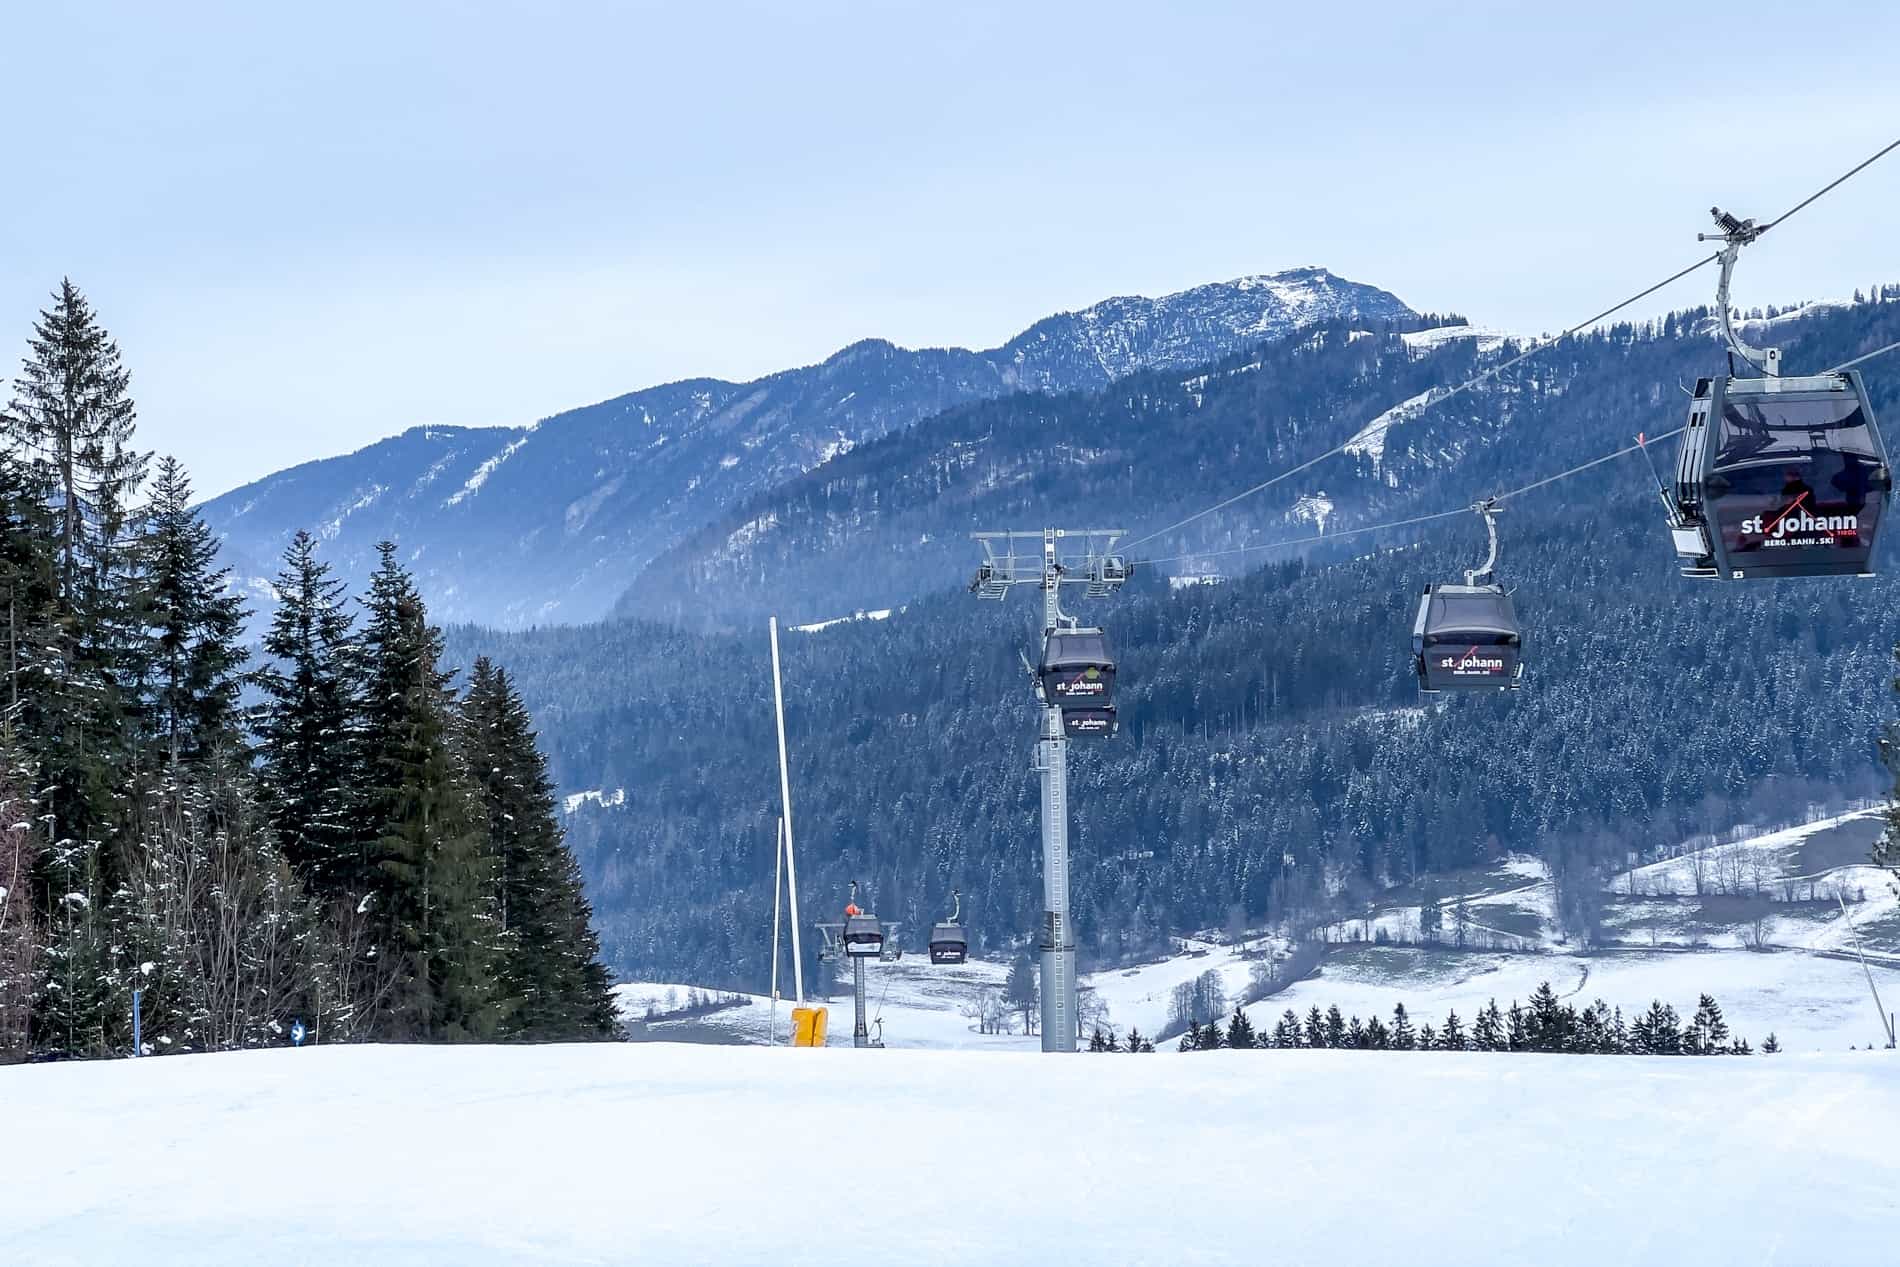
point(1066, 557)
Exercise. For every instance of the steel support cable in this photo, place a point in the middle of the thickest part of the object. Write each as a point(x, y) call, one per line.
point(1848, 365)
point(1536, 347)
point(1321, 538)
point(1440, 398)
point(1828, 188)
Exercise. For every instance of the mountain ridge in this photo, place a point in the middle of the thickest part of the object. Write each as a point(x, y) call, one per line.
point(551, 521)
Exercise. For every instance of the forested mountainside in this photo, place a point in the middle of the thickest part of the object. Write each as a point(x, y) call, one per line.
point(1273, 748)
point(891, 520)
point(514, 526)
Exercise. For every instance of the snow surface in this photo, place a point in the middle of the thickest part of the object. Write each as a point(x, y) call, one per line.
point(486, 469)
point(819, 626)
point(922, 1005)
point(1809, 1002)
point(1370, 439)
point(665, 1154)
point(1430, 340)
point(598, 796)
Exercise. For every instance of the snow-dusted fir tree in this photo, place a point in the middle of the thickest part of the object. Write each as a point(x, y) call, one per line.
point(1487, 1032)
point(550, 965)
point(433, 878)
point(1240, 1031)
point(69, 429)
point(192, 670)
point(310, 728)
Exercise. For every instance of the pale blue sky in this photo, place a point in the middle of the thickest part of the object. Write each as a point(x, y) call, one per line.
point(313, 227)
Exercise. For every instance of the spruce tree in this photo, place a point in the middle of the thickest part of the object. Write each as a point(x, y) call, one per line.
point(1771, 1044)
point(432, 875)
point(1548, 1024)
point(1336, 1032)
point(1240, 1031)
point(1708, 1032)
point(1191, 1038)
point(310, 728)
point(194, 666)
point(1287, 1032)
point(69, 432)
point(1427, 1037)
point(1404, 1038)
point(1315, 1032)
point(1452, 1037)
point(551, 967)
point(1516, 1029)
point(1487, 1032)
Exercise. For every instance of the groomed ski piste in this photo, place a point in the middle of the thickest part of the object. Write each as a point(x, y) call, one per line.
point(668, 1153)
point(699, 1144)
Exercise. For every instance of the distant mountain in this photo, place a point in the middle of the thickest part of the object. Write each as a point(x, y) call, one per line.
point(514, 526)
point(890, 521)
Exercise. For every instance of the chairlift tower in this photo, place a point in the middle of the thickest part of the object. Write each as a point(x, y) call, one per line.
point(1065, 557)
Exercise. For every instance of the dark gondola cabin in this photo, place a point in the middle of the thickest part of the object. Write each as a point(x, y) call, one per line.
point(1467, 638)
point(948, 945)
point(1780, 477)
point(1089, 723)
point(1077, 670)
point(863, 935)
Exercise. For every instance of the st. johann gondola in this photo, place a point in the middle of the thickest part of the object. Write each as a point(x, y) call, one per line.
point(1777, 476)
point(1466, 637)
point(948, 943)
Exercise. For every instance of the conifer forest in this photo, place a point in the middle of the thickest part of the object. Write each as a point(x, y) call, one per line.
point(335, 826)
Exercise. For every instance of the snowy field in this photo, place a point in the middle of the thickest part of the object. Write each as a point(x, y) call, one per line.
point(669, 1154)
point(921, 1005)
point(1808, 1002)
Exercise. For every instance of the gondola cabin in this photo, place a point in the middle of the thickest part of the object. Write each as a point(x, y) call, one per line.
point(1089, 723)
point(948, 945)
point(863, 935)
point(1780, 477)
point(1467, 638)
point(1077, 670)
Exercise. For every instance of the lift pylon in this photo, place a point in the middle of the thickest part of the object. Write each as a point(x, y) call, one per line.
point(1051, 559)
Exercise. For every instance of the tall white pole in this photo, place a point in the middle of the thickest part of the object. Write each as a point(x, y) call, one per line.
point(778, 866)
point(785, 800)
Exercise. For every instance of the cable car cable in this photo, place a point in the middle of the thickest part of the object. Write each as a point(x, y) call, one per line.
point(1534, 348)
point(1848, 365)
point(1420, 519)
point(1526, 354)
point(1830, 186)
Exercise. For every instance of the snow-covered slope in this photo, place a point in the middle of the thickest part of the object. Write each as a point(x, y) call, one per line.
point(663, 1154)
